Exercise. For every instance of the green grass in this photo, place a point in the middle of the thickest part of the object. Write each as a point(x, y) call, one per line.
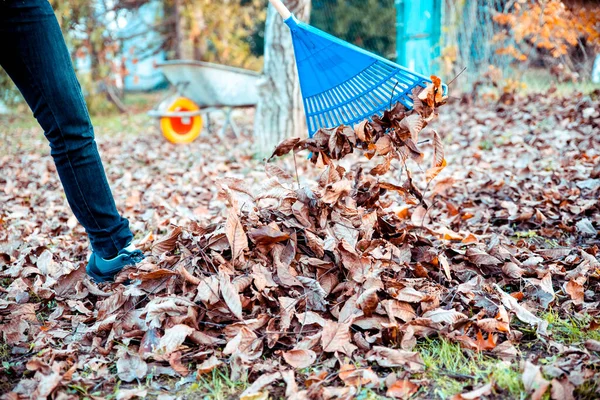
point(215, 385)
point(526, 234)
point(4, 351)
point(570, 331)
point(21, 133)
point(539, 81)
point(454, 370)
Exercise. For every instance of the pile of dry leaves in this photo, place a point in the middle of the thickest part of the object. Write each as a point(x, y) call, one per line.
point(344, 275)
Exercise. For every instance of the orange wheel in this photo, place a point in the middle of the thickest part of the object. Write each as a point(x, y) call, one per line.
point(181, 129)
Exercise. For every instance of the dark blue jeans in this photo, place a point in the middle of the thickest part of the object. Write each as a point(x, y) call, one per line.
point(34, 54)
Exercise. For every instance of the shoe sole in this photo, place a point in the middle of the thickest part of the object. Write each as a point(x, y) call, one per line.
point(98, 278)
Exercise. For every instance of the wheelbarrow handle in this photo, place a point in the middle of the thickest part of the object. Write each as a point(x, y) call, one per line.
point(281, 9)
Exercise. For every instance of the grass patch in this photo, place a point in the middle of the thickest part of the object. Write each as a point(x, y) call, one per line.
point(4, 351)
point(532, 237)
point(526, 234)
point(588, 390)
point(216, 385)
point(570, 330)
point(454, 370)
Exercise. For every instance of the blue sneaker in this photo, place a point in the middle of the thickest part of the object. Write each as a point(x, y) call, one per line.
point(101, 270)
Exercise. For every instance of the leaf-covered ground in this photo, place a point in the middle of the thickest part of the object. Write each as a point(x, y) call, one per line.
point(293, 280)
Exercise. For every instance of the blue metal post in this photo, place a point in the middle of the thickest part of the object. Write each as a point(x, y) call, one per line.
point(418, 30)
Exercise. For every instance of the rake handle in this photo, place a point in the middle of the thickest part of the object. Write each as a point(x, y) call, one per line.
point(281, 9)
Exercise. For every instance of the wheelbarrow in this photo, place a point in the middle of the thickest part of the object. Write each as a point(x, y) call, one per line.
point(200, 89)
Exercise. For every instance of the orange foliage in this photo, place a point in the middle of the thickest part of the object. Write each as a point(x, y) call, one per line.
point(550, 25)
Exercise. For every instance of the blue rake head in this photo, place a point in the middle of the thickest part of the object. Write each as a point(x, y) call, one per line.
point(342, 83)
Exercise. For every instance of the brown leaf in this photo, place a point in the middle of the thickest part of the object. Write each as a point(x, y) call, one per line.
point(432, 95)
point(261, 382)
point(167, 243)
point(415, 124)
point(291, 387)
point(156, 274)
point(235, 234)
point(245, 342)
point(383, 168)
point(287, 309)
point(485, 344)
point(300, 358)
point(407, 294)
point(402, 389)
point(575, 290)
point(352, 376)
point(315, 294)
point(384, 145)
point(48, 383)
point(512, 270)
point(282, 258)
point(285, 147)
point(446, 316)
point(173, 338)
point(562, 389)
point(131, 367)
point(276, 171)
point(360, 130)
point(266, 235)
point(474, 394)
point(439, 162)
point(209, 365)
point(479, 257)
point(521, 312)
point(208, 290)
point(315, 243)
point(533, 381)
point(389, 358)
point(231, 296)
point(368, 301)
point(445, 266)
point(398, 309)
point(492, 325)
point(175, 363)
point(150, 342)
point(336, 337)
point(592, 345)
point(432, 172)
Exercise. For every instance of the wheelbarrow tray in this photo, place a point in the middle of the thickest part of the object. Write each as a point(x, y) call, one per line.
point(212, 85)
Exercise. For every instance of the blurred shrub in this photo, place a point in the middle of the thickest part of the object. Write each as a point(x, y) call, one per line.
point(549, 26)
point(370, 24)
point(9, 95)
point(224, 31)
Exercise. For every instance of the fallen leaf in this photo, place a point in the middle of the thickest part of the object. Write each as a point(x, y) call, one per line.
point(402, 389)
point(167, 243)
point(235, 234)
point(389, 358)
point(173, 338)
point(231, 296)
point(209, 365)
point(534, 382)
point(474, 394)
point(131, 367)
point(336, 337)
point(300, 358)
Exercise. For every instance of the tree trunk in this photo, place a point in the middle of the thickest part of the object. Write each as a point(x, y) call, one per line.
point(279, 113)
point(178, 30)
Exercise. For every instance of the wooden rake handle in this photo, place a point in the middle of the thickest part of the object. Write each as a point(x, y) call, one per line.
point(281, 9)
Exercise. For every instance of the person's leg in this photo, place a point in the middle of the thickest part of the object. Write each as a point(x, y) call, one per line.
point(34, 54)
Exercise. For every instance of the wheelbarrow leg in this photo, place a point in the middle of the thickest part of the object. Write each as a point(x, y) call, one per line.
point(208, 122)
point(229, 122)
